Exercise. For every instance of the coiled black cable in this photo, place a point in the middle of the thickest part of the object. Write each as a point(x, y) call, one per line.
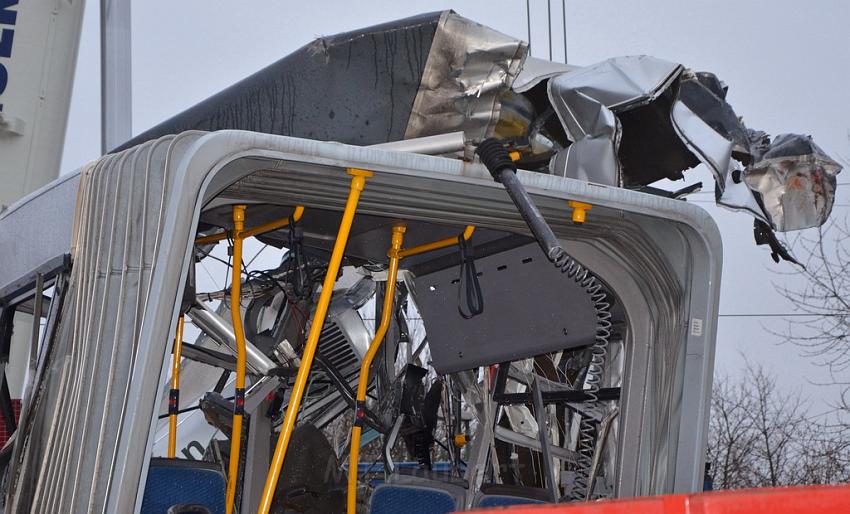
point(595, 369)
point(495, 157)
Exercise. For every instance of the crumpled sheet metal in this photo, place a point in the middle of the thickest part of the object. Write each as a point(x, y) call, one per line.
point(707, 144)
point(796, 181)
point(535, 70)
point(586, 101)
point(789, 184)
point(469, 66)
point(715, 152)
point(618, 83)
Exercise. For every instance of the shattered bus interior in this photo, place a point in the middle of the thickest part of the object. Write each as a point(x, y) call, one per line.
point(480, 298)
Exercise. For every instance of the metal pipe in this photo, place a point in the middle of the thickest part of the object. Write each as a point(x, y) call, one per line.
point(509, 436)
point(436, 245)
point(216, 327)
point(564, 15)
point(116, 105)
point(238, 330)
point(35, 337)
point(605, 429)
point(358, 182)
point(549, 25)
point(174, 393)
point(366, 363)
point(428, 145)
point(543, 434)
point(251, 232)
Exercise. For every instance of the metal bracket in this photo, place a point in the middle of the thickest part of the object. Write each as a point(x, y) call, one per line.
point(389, 443)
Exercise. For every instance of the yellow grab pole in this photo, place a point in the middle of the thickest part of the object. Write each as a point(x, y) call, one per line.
point(174, 393)
point(363, 380)
point(358, 182)
point(259, 229)
point(239, 396)
point(436, 245)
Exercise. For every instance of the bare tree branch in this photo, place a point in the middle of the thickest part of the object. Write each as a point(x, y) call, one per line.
point(760, 436)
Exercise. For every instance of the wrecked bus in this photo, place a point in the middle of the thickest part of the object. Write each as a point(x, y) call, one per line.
point(477, 286)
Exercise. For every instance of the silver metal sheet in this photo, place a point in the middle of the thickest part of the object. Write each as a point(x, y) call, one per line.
point(789, 192)
point(586, 101)
point(796, 181)
point(468, 67)
point(711, 148)
point(535, 71)
point(618, 83)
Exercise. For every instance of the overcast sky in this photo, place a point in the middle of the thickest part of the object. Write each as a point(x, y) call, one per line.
point(786, 65)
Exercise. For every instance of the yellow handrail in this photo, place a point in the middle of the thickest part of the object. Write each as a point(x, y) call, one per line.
point(259, 229)
point(174, 394)
point(436, 245)
point(236, 318)
point(363, 380)
point(358, 182)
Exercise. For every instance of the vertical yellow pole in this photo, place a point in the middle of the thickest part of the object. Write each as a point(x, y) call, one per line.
point(363, 380)
point(174, 393)
point(358, 182)
point(239, 396)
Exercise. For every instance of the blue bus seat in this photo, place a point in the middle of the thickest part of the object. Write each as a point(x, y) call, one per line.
point(181, 482)
point(502, 495)
point(404, 493)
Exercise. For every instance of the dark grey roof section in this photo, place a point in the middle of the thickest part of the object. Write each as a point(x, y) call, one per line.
point(429, 74)
point(356, 88)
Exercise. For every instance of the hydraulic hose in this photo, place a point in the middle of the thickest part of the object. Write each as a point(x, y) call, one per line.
point(495, 157)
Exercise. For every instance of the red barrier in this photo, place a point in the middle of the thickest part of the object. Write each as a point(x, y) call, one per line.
point(780, 500)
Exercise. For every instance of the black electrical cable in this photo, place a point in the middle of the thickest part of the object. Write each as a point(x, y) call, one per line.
point(296, 261)
point(189, 409)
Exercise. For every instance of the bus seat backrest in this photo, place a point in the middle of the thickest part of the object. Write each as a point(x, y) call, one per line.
point(181, 482)
point(499, 495)
point(416, 494)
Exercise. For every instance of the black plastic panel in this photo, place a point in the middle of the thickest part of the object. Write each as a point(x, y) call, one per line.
point(530, 308)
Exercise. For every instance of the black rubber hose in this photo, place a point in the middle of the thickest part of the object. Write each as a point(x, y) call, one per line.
point(495, 157)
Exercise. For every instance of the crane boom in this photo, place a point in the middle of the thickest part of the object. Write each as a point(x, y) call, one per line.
point(39, 40)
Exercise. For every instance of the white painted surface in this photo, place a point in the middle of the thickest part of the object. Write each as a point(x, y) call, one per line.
point(41, 38)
